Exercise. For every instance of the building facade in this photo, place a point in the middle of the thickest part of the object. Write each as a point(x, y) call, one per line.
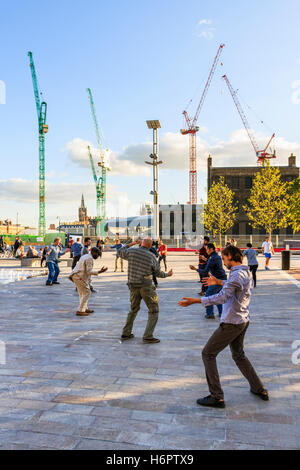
point(239, 180)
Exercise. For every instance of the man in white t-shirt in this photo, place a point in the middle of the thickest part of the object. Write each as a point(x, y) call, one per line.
point(267, 251)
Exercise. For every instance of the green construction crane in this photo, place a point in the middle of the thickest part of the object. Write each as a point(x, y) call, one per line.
point(41, 108)
point(101, 181)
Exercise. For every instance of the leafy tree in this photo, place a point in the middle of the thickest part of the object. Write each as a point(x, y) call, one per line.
point(220, 211)
point(269, 200)
point(294, 205)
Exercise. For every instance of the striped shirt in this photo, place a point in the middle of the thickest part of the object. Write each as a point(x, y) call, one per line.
point(142, 264)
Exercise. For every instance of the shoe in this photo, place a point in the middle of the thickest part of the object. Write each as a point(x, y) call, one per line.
point(48, 283)
point(55, 282)
point(82, 314)
point(210, 317)
point(211, 402)
point(151, 340)
point(89, 311)
point(263, 394)
point(93, 290)
point(126, 338)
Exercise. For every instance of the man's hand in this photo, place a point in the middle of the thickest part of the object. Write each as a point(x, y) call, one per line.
point(170, 273)
point(188, 301)
point(212, 281)
point(135, 242)
point(103, 269)
point(193, 268)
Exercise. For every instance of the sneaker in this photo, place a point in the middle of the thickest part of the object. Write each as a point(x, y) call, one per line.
point(55, 282)
point(211, 402)
point(48, 283)
point(264, 395)
point(126, 338)
point(210, 317)
point(151, 340)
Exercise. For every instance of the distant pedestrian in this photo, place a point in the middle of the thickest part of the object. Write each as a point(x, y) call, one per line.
point(142, 264)
point(17, 244)
point(154, 250)
point(81, 275)
point(32, 252)
point(215, 268)
point(44, 255)
point(76, 249)
point(267, 251)
point(100, 246)
point(55, 251)
point(118, 245)
point(163, 249)
point(235, 295)
point(252, 261)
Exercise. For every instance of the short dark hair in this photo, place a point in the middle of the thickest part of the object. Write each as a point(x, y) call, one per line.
point(234, 252)
point(95, 250)
point(211, 246)
point(207, 239)
point(249, 245)
point(86, 239)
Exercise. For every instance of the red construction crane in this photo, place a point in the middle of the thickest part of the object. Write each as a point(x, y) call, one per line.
point(262, 155)
point(192, 129)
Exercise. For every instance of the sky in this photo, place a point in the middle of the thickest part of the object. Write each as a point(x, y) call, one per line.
point(142, 60)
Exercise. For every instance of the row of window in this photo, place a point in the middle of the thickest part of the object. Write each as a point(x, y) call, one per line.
point(249, 230)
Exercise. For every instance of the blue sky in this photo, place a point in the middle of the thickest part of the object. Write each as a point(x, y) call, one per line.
point(142, 60)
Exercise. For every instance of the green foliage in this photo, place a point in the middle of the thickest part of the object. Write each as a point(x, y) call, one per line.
point(268, 204)
point(294, 205)
point(220, 211)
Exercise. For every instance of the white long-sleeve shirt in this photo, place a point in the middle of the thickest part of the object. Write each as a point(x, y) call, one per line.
point(84, 268)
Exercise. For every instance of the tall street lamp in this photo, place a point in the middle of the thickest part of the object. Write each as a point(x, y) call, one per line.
point(154, 156)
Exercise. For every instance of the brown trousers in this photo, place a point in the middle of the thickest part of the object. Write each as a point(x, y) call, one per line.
point(228, 335)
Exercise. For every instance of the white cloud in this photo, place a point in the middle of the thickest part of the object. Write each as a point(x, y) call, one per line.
point(296, 93)
point(204, 21)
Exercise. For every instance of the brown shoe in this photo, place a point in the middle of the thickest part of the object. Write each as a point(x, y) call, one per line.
point(89, 311)
point(151, 340)
point(82, 314)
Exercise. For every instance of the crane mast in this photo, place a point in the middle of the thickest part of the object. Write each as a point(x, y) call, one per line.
point(101, 182)
point(261, 154)
point(41, 108)
point(192, 130)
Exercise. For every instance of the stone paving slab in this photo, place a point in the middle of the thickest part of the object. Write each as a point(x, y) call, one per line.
point(70, 383)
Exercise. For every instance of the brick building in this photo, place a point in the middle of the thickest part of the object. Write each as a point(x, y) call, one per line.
point(239, 179)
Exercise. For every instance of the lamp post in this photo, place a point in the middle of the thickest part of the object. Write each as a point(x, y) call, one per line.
point(154, 156)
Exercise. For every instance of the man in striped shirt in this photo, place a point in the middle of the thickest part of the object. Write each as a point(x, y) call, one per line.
point(142, 265)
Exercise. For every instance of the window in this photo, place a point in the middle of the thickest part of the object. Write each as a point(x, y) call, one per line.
point(249, 229)
point(235, 182)
point(236, 229)
point(289, 231)
point(262, 231)
point(248, 182)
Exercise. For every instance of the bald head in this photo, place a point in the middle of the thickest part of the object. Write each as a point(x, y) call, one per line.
point(147, 242)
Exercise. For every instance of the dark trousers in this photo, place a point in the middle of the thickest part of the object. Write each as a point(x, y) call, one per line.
point(253, 270)
point(75, 260)
point(53, 272)
point(164, 258)
point(228, 335)
point(42, 261)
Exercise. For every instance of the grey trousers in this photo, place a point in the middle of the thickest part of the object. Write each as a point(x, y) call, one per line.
point(228, 335)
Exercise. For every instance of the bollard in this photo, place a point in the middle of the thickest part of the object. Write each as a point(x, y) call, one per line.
point(285, 260)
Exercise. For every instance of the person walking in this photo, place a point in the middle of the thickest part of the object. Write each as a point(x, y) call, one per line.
point(154, 250)
point(117, 246)
point(235, 295)
point(86, 251)
point(81, 275)
point(163, 249)
point(76, 249)
point(213, 266)
point(142, 264)
point(203, 257)
point(252, 261)
point(267, 251)
point(55, 251)
point(44, 255)
point(17, 244)
point(100, 245)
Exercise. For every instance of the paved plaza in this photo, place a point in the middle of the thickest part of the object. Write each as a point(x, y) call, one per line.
point(70, 383)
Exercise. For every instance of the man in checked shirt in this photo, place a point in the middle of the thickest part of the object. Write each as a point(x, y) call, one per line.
point(142, 265)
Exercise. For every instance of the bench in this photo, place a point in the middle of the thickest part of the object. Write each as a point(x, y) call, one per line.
point(36, 262)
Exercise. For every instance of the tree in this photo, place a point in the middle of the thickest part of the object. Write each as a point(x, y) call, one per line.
point(294, 205)
point(220, 211)
point(269, 200)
